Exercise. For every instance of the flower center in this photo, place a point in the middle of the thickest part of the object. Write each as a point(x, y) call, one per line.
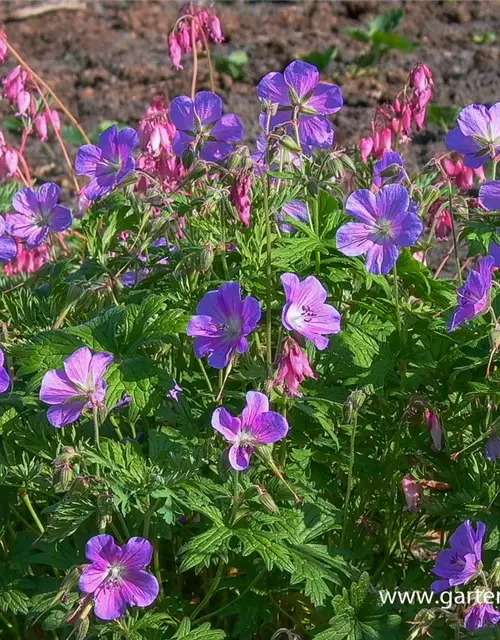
point(115, 573)
point(232, 328)
point(384, 230)
point(246, 437)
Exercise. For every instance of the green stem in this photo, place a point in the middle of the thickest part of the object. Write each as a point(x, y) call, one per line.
point(494, 177)
point(251, 585)
point(236, 491)
point(349, 479)
point(147, 518)
point(205, 375)
point(316, 231)
point(223, 238)
point(454, 235)
point(157, 570)
point(95, 415)
point(396, 301)
point(26, 499)
point(210, 592)
point(269, 356)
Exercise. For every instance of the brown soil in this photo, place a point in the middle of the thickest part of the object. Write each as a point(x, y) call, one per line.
point(107, 61)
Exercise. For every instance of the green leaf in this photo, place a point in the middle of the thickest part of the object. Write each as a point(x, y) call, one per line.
point(203, 632)
point(388, 21)
point(393, 41)
point(203, 550)
point(7, 191)
point(268, 546)
point(47, 351)
point(321, 59)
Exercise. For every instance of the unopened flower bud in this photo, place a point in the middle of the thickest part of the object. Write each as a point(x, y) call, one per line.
point(206, 258)
point(366, 147)
point(104, 510)
point(412, 492)
point(267, 500)
point(353, 404)
point(291, 144)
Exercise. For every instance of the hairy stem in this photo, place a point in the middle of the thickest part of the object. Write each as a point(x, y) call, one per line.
point(26, 499)
point(48, 89)
point(349, 479)
point(454, 235)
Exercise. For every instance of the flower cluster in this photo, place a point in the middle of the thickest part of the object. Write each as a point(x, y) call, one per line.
point(394, 123)
point(298, 102)
point(157, 157)
point(196, 27)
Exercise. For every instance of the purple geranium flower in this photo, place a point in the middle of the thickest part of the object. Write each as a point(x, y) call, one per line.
point(80, 386)
point(5, 380)
point(474, 295)
point(222, 323)
point(37, 213)
point(462, 561)
point(305, 310)
point(388, 170)
point(256, 426)
point(117, 577)
point(480, 616)
point(388, 220)
point(298, 91)
point(477, 135)
point(294, 209)
point(492, 449)
point(489, 195)
point(108, 163)
point(201, 125)
point(8, 246)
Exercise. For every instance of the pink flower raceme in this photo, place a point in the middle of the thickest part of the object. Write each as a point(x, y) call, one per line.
point(79, 386)
point(440, 218)
point(156, 131)
point(4, 52)
point(157, 156)
point(117, 577)
point(387, 221)
point(202, 127)
point(256, 426)
point(293, 367)
point(413, 493)
point(222, 324)
point(434, 426)
point(477, 136)
point(37, 213)
point(198, 23)
point(395, 122)
point(305, 310)
point(9, 159)
point(241, 197)
point(27, 260)
point(42, 122)
point(301, 96)
point(461, 175)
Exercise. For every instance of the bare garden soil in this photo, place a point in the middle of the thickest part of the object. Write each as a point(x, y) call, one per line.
point(108, 60)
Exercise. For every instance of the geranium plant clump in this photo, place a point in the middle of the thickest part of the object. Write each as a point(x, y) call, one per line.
point(242, 392)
